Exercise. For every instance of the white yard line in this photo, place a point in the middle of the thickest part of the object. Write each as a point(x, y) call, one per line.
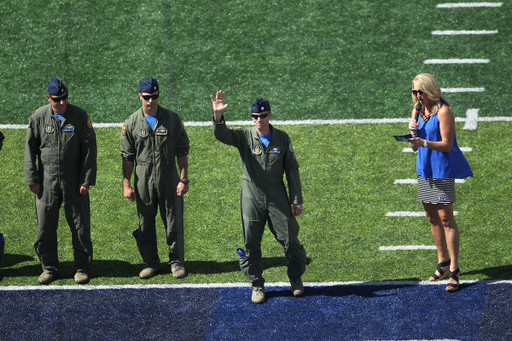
point(407, 247)
point(415, 181)
point(452, 90)
point(457, 61)
point(290, 122)
point(410, 214)
point(462, 32)
point(471, 119)
point(232, 285)
point(462, 149)
point(470, 4)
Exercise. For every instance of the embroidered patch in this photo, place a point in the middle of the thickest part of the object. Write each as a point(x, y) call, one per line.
point(49, 128)
point(124, 128)
point(30, 122)
point(161, 131)
point(274, 150)
point(68, 127)
point(442, 197)
point(256, 150)
point(89, 123)
point(143, 133)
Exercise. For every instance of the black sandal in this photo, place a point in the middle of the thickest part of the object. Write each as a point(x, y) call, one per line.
point(444, 274)
point(451, 287)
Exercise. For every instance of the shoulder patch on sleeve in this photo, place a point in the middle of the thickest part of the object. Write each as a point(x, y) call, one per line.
point(89, 123)
point(30, 122)
point(124, 128)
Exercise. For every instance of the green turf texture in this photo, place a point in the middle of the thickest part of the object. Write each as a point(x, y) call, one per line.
point(312, 60)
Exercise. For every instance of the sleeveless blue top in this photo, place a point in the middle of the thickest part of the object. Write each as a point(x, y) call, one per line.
point(440, 165)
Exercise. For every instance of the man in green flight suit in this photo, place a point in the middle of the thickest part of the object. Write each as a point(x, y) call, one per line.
point(152, 139)
point(266, 154)
point(60, 166)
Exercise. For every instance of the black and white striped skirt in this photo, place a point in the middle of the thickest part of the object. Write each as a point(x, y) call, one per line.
point(436, 191)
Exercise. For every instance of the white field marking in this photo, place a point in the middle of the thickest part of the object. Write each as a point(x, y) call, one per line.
point(232, 285)
point(457, 61)
point(462, 32)
point(462, 149)
point(471, 119)
point(493, 119)
point(452, 90)
point(470, 4)
point(298, 122)
point(407, 247)
point(415, 181)
point(244, 123)
point(410, 214)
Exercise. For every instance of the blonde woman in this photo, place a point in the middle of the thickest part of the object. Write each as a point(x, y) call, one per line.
point(439, 163)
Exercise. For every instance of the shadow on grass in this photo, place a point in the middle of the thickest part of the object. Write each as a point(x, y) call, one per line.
point(498, 272)
point(212, 267)
point(101, 268)
point(364, 290)
point(10, 259)
point(123, 269)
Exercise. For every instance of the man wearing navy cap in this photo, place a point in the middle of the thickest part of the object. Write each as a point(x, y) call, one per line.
point(152, 139)
point(266, 155)
point(60, 166)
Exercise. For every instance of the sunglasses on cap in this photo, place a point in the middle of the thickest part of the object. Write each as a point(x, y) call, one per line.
point(58, 99)
point(415, 92)
point(259, 116)
point(148, 97)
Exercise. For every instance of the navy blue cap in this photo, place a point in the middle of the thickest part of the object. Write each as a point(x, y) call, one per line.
point(260, 105)
point(148, 85)
point(56, 87)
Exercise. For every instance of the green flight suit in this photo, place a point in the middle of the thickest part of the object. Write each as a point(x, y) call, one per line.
point(61, 157)
point(264, 198)
point(155, 180)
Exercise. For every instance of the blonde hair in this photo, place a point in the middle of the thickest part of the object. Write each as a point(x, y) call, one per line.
point(429, 85)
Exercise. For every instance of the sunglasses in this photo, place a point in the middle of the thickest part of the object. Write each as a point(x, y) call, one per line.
point(259, 116)
point(415, 92)
point(147, 98)
point(58, 99)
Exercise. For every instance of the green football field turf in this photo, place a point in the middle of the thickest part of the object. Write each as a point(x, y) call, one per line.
point(312, 60)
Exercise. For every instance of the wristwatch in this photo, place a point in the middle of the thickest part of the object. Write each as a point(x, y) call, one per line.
point(425, 144)
point(185, 181)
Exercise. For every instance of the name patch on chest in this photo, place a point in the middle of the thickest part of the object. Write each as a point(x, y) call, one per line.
point(68, 127)
point(274, 150)
point(161, 131)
